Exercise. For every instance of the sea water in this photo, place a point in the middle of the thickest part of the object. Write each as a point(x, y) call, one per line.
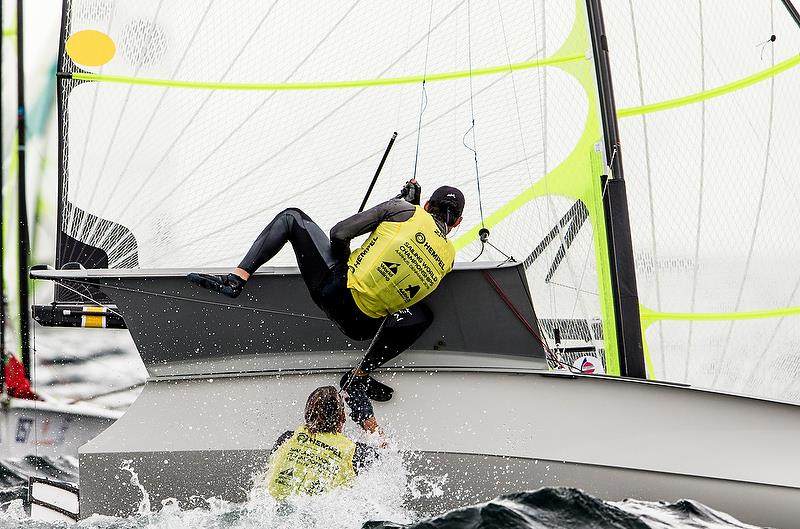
point(375, 501)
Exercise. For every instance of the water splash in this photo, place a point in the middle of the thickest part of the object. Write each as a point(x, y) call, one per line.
point(144, 504)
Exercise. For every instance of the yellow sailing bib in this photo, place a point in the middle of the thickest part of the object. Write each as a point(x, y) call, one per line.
point(309, 463)
point(399, 264)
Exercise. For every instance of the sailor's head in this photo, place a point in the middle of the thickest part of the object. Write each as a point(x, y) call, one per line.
point(446, 203)
point(324, 411)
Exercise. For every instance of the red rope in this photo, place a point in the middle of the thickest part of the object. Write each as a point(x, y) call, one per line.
point(510, 304)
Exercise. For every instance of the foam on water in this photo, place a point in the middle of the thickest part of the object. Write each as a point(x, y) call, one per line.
point(377, 494)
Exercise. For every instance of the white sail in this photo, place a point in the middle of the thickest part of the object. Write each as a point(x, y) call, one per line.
point(206, 121)
point(707, 101)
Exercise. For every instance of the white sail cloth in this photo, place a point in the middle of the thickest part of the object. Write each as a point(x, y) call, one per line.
point(713, 186)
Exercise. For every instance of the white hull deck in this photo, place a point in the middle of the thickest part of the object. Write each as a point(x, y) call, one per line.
point(481, 434)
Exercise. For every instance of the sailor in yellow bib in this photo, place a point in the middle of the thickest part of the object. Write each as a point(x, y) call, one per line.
point(380, 285)
point(316, 457)
point(399, 264)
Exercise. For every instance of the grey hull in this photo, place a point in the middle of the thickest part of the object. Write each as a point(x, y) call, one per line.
point(472, 395)
point(488, 432)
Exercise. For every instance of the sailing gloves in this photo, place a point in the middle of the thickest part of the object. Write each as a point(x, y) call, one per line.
point(411, 192)
point(359, 403)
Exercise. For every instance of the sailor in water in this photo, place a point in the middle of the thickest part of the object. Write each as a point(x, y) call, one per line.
point(317, 457)
point(403, 259)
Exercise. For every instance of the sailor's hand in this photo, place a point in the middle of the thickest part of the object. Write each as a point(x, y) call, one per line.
point(411, 192)
point(360, 405)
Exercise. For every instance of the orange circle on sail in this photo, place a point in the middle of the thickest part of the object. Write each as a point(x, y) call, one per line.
point(90, 47)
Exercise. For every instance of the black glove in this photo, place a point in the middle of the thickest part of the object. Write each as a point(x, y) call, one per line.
point(359, 403)
point(411, 192)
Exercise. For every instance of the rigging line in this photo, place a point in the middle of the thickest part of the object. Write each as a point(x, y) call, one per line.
point(758, 207)
point(423, 104)
point(196, 113)
point(280, 151)
point(138, 53)
point(699, 196)
point(472, 113)
point(193, 300)
point(774, 333)
point(311, 186)
point(648, 166)
point(589, 248)
point(63, 284)
point(155, 111)
point(542, 100)
point(35, 378)
point(519, 125)
point(195, 170)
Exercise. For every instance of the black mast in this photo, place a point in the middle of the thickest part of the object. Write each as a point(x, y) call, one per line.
point(22, 207)
point(615, 202)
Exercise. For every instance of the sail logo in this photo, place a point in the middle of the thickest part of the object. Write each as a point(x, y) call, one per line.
point(589, 365)
point(420, 237)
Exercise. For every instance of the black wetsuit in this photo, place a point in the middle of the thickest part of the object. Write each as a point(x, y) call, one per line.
point(363, 456)
point(323, 265)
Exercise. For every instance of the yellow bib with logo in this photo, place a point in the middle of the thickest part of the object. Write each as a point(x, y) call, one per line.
point(399, 264)
point(309, 463)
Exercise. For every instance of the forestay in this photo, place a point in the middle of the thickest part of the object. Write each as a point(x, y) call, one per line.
point(212, 116)
point(707, 99)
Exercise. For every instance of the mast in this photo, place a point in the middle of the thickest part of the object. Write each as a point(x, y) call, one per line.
point(22, 207)
point(615, 202)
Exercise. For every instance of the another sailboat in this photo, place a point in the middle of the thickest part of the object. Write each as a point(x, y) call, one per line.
point(31, 424)
point(185, 125)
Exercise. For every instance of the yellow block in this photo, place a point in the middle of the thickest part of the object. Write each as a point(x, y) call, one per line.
point(90, 47)
point(95, 322)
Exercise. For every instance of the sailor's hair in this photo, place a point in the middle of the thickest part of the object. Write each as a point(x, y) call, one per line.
point(443, 211)
point(324, 410)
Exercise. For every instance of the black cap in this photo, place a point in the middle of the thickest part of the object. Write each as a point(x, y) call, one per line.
point(450, 197)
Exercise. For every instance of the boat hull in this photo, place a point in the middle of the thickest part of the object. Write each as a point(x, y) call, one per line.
point(48, 429)
point(477, 434)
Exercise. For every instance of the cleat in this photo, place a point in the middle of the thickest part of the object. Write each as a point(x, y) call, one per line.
point(230, 285)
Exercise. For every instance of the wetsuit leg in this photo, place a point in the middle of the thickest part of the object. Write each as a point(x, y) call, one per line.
point(311, 246)
point(399, 332)
point(337, 302)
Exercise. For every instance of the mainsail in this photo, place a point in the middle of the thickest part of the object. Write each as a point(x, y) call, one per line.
point(708, 111)
point(204, 121)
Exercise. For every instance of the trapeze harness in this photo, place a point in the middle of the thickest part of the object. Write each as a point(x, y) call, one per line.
point(399, 264)
point(309, 463)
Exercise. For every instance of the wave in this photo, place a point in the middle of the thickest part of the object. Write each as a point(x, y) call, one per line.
point(565, 507)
